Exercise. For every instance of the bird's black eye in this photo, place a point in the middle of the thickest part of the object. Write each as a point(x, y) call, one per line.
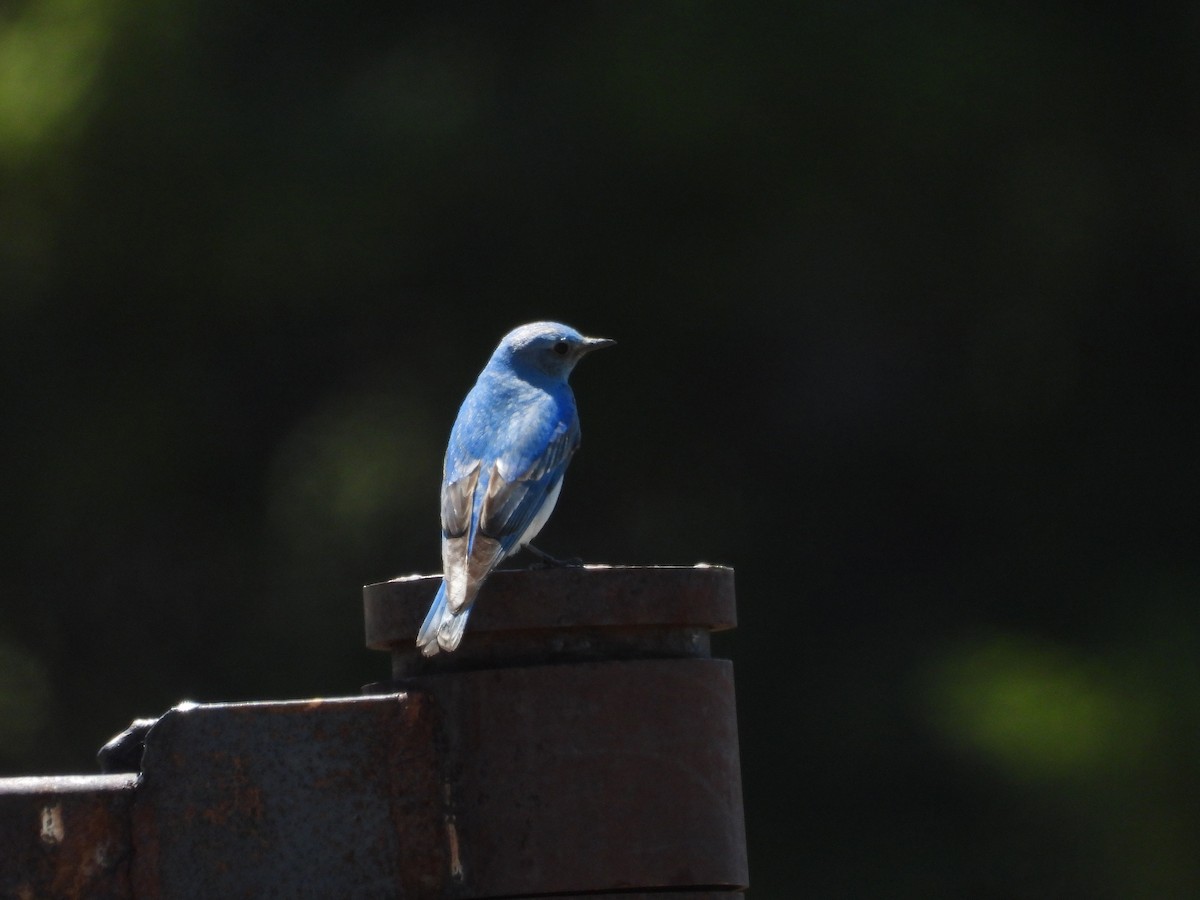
point(561, 348)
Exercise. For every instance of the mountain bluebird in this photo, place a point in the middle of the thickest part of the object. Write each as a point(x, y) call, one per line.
point(508, 450)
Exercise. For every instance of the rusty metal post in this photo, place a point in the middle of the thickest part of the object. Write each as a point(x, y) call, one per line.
point(588, 741)
point(581, 741)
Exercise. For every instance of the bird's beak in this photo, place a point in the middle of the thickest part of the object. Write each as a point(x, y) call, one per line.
point(590, 344)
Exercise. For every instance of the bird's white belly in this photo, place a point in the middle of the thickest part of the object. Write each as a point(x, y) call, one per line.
point(542, 515)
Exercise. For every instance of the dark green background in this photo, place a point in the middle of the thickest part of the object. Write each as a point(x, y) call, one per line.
point(906, 303)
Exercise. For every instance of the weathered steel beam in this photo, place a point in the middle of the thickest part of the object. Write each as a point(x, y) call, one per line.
point(312, 798)
point(66, 836)
point(581, 741)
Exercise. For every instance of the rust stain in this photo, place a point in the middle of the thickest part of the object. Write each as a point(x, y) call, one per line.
point(456, 868)
point(244, 801)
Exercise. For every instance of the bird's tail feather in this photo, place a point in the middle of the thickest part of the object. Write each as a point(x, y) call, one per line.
point(443, 628)
point(450, 634)
point(427, 637)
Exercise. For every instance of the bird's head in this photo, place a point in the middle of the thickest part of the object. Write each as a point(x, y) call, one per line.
point(547, 347)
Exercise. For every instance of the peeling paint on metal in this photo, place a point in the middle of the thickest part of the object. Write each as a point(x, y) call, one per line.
point(52, 824)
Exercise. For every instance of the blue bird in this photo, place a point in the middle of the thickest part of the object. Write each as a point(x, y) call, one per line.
point(514, 436)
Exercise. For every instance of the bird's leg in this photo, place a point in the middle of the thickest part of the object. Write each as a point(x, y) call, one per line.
point(546, 561)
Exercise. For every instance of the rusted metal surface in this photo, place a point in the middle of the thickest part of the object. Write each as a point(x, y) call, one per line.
point(592, 777)
point(588, 742)
point(555, 780)
point(540, 616)
point(321, 798)
point(586, 745)
point(568, 597)
point(65, 837)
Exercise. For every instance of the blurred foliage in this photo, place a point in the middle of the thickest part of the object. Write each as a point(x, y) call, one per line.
point(906, 303)
point(1039, 713)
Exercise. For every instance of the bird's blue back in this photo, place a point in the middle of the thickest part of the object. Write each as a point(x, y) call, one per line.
point(528, 424)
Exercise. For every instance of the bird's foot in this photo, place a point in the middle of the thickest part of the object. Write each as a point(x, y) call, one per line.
point(546, 561)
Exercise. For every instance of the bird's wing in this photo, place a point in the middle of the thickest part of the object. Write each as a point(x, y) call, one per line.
point(458, 502)
point(496, 481)
point(518, 488)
